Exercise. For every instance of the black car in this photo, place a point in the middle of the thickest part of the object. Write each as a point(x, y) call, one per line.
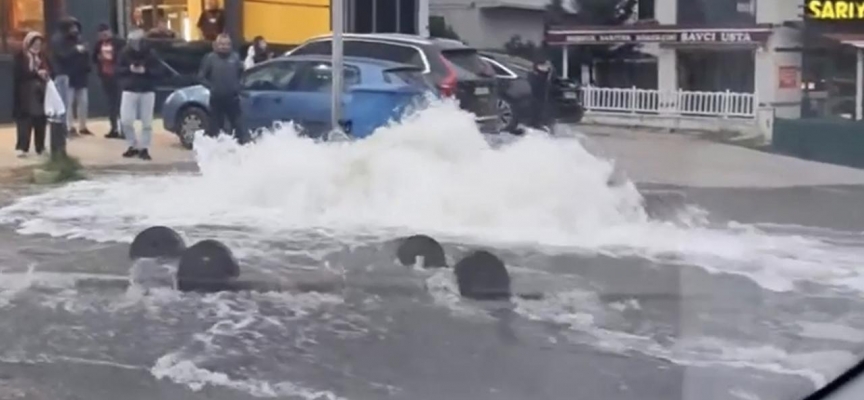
point(454, 68)
point(514, 102)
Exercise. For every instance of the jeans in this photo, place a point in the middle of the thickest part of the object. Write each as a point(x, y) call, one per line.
point(36, 125)
point(222, 108)
point(134, 105)
point(80, 99)
point(112, 95)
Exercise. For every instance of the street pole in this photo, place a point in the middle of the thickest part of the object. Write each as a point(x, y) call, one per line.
point(337, 16)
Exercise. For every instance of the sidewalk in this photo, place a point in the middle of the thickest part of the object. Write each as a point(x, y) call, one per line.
point(96, 150)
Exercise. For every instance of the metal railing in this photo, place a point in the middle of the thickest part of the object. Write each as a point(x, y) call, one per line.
point(674, 103)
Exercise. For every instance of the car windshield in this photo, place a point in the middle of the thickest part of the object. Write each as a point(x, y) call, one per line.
point(507, 200)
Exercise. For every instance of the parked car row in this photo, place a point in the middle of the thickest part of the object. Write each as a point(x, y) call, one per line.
point(383, 75)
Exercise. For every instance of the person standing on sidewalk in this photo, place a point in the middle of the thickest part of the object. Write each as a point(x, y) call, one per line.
point(212, 21)
point(220, 73)
point(105, 53)
point(71, 65)
point(29, 81)
point(138, 71)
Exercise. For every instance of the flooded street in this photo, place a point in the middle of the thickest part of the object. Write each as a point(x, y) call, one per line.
point(651, 289)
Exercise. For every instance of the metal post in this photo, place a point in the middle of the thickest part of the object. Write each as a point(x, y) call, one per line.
point(565, 62)
point(859, 89)
point(423, 18)
point(336, 97)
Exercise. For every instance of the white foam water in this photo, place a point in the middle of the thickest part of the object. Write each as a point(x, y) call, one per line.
point(433, 173)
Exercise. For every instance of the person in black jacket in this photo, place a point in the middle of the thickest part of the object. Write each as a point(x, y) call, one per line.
point(105, 53)
point(29, 81)
point(72, 67)
point(540, 80)
point(139, 71)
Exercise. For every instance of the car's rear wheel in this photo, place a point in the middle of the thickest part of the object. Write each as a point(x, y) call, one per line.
point(191, 119)
point(506, 116)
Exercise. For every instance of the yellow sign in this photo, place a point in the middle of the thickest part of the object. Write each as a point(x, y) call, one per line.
point(835, 9)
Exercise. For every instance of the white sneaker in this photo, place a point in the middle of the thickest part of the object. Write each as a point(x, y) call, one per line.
point(21, 153)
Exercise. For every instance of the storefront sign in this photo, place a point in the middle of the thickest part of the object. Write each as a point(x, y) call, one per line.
point(835, 9)
point(724, 36)
point(788, 77)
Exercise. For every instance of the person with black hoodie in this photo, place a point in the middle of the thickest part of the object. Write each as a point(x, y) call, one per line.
point(139, 71)
point(30, 74)
point(106, 51)
point(540, 80)
point(71, 65)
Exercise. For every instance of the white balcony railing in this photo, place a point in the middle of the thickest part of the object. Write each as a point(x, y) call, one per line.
point(673, 103)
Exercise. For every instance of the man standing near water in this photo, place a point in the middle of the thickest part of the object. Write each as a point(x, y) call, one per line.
point(138, 70)
point(105, 53)
point(220, 72)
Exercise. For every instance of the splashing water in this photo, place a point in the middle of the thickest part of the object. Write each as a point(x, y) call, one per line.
point(432, 173)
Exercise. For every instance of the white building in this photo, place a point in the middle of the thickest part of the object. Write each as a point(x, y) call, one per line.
point(491, 23)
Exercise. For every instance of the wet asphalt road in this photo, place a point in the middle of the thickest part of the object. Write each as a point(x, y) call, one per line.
point(426, 353)
point(406, 346)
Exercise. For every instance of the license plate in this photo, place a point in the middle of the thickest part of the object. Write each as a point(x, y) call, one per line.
point(569, 95)
point(481, 91)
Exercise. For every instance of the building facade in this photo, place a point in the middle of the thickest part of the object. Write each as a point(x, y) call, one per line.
point(285, 23)
point(744, 46)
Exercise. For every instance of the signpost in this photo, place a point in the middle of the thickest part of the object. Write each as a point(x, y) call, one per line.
point(337, 22)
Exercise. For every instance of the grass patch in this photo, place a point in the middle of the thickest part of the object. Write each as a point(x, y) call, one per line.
point(61, 168)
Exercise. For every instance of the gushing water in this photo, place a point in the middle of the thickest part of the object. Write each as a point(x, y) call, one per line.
point(433, 173)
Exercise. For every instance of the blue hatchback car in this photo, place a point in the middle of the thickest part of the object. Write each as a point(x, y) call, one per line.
point(298, 89)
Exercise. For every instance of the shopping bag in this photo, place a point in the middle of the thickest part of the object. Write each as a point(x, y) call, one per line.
point(54, 107)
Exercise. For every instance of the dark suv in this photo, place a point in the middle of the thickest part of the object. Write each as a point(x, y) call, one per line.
point(455, 69)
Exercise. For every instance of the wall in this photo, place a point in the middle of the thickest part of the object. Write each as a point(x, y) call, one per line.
point(490, 27)
point(463, 17)
point(501, 24)
point(769, 60)
point(285, 21)
point(835, 141)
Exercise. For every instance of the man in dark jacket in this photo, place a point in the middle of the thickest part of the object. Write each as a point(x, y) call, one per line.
point(212, 21)
point(71, 67)
point(106, 51)
point(220, 72)
point(540, 80)
point(139, 71)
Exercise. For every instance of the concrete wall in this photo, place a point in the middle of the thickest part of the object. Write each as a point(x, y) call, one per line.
point(770, 60)
point(485, 27)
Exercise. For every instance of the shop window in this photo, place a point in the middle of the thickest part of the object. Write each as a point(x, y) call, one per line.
point(166, 19)
point(21, 16)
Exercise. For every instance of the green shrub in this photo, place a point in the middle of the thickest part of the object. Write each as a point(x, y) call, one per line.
point(66, 168)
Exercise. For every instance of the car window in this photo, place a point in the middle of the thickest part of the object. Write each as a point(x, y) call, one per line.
point(319, 47)
point(318, 77)
point(467, 61)
point(499, 70)
point(270, 76)
point(407, 76)
point(384, 51)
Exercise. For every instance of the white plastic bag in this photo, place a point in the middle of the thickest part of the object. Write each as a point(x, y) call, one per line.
point(54, 107)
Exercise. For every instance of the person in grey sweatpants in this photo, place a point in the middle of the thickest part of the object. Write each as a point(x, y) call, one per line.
point(138, 70)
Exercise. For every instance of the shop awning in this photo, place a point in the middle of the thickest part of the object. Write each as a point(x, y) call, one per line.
point(851, 39)
point(663, 34)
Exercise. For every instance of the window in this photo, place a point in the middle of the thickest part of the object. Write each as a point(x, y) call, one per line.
point(163, 19)
point(384, 51)
point(22, 16)
point(320, 47)
point(370, 49)
point(318, 77)
point(500, 71)
point(414, 77)
point(272, 76)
